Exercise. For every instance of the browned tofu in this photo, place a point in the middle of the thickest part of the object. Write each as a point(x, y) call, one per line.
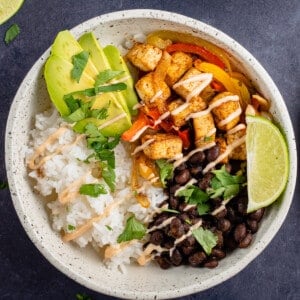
point(144, 56)
point(154, 94)
point(204, 130)
point(238, 153)
point(185, 88)
point(196, 104)
point(180, 63)
point(164, 146)
point(221, 142)
point(227, 114)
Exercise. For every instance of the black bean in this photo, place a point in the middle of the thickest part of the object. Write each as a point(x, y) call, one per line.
point(156, 237)
point(160, 218)
point(196, 171)
point(195, 220)
point(189, 241)
point(168, 243)
point(230, 243)
point(246, 241)
point(216, 200)
point(257, 215)
point(197, 258)
point(220, 240)
point(182, 206)
point(242, 205)
point(197, 158)
point(193, 212)
point(240, 232)
point(204, 182)
point(176, 228)
point(184, 216)
point(218, 253)
point(212, 153)
point(224, 225)
point(176, 258)
point(163, 262)
point(221, 214)
point(252, 225)
point(181, 167)
point(211, 264)
point(183, 176)
point(231, 215)
point(174, 201)
point(187, 250)
point(174, 188)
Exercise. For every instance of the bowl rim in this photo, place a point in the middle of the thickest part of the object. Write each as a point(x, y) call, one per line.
point(226, 40)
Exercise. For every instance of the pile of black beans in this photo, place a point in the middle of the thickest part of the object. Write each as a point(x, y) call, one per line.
point(233, 227)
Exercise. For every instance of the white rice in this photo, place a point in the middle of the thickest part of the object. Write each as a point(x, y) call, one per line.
point(65, 168)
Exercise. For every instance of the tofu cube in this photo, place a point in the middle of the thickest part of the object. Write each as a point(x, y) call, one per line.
point(154, 94)
point(204, 130)
point(180, 63)
point(238, 153)
point(144, 56)
point(164, 145)
point(221, 142)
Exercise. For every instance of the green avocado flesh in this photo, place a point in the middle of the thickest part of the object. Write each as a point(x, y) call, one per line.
point(65, 46)
point(117, 63)
point(114, 109)
point(59, 82)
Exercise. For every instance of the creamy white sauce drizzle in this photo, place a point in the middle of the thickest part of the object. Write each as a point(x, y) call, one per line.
point(231, 117)
point(236, 128)
point(138, 105)
point(113, 120)
point(213, 105)
point(142, 147)
point(180, 108)
point(207, 78)
point(228, 150)
point(183, 159)
point(156, 96)
point(220, 208)
point(162, 225)
point(190, 182)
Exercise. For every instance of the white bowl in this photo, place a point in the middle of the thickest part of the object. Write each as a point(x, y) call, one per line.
point(83, 265)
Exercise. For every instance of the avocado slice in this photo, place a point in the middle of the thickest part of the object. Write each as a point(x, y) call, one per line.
point(114, 111)
point(89, 43)
point(59, 82)
point(65, 46)
point(117, 63)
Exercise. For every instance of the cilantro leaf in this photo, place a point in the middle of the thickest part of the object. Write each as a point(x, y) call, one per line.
point(231, 191)
point(76, 116)
point(92, 189)
point(227, 179)
point(205, 238)
point(79, 62)
point(108, 227)
point(170, 210)
point(109, 176)
point(165, 170)
point(12, 32)
point(3, 185)
point(106, 76)
point(100, 114)
point(194, 195)
point(71, 227)
point(72, 103)
point(133, 230)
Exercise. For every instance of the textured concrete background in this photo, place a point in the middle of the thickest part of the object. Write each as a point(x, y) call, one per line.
point(268, 29)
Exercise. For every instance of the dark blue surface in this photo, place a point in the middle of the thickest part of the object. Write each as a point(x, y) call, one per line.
point(270, 30)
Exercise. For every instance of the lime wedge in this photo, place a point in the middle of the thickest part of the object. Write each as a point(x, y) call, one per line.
point(267, 162)
point(8, 8)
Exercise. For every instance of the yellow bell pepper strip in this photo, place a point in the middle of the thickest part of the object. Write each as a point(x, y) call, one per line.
point(194, 49)
point(241, 77)
point(155, 38)
point(219, 75)
point(245, 95)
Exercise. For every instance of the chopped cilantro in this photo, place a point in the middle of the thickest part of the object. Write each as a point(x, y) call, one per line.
point(92, 189)
point(194, 195)
point(108, 227)
point(224, 184)
point(3, 185)
point(170, 210)
point(12, 32)
point(133, 230)
point(205, 238)
point(71, 227)
point(100, 114)
point(79, 62)
point(165, 170)
point(106, 76)
point(188, 221)
point(72, 103)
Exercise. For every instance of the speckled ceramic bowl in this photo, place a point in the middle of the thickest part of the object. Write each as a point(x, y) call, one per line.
point(83, 265)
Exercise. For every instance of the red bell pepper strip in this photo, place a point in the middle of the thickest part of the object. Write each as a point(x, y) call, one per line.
point(217, 86)
point(140, 122)
point(185, 137)
point(194, 49)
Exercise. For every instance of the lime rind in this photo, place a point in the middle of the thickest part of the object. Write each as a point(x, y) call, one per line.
point(8, 8)
point(262, 173)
